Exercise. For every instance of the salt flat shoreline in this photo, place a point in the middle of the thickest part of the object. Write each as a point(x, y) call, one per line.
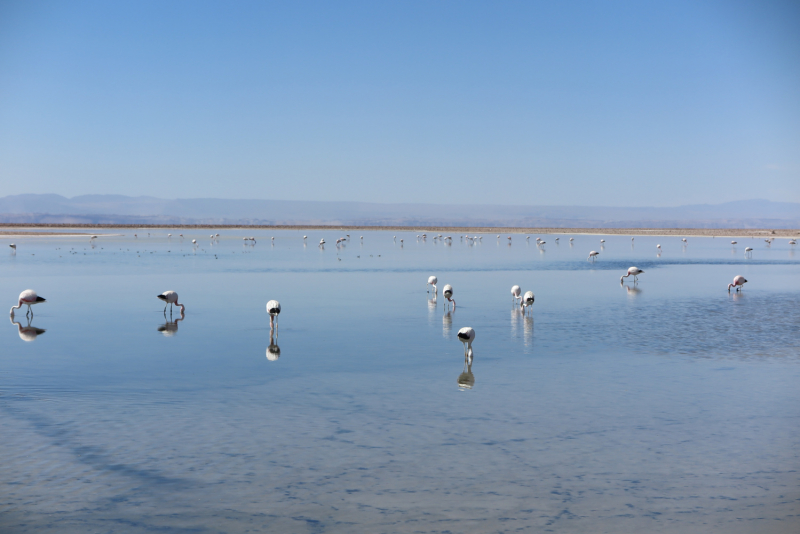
point(34, 230)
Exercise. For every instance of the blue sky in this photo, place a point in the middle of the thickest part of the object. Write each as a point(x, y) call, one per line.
point(549, 103)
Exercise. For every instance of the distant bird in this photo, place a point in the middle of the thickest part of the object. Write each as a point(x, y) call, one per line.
point(93, 237)
point(432, 281)
point(170, 299)
point(748, 251)
point(527, 300)
point(362, 237)
point(592, 255)
point(466, 336)
point(447, 291)
point(169, 235)
point(733, 242)
point(631, 239)
point(194, 241)
point(13, 247)
point(602, 240)
point(273, 309)
point(498, 236)
point(27, 298)
point(528, 237)
point(211, 236)
point(572, 239)
point(321, 242)
point(305, 237)
point(556, 240)
point(509, 239)
point(738, 282)
point(658, 247)
point(632, 271)
point(684, 240)
point(515, 291)
point(216, 235)
point(792, 242)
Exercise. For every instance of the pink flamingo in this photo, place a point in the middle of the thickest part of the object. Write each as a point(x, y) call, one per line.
point(738, 282)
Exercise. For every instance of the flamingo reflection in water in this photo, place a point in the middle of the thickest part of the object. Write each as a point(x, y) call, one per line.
point(170, 328)
point(27, 333)
point(273, 351)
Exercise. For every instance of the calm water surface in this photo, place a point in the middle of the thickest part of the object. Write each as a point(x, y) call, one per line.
point(669, 406)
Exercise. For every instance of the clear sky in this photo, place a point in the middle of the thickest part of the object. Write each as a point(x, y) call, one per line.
point(560, 103)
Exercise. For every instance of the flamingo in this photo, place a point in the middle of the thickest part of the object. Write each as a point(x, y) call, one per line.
point(28, 298)
point(170, 298)
point(447, 291)
point(684, 240)
point(432, 281)
point(592, 255)
point(571, 239)
point(527, 300)
point(734, 242)
point(632, 271)
point(273, 309)
point(305, 237)
point(322, 242)
point(13, 248)
point(194, 241)
point(658, 247)
point(602, 241)
point(748, 250)
point(738, 282)
point(515, 291)
point(466, 336)
point(792, 242)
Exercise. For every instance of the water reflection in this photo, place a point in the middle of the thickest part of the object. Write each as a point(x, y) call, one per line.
point(29, 332)
point(633, 291)
point(527, 330)
point(466, 380)
point(273, 350)
point(447, 323)
point(170, 328)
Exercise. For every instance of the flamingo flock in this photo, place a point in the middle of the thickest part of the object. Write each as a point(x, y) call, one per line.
point(466, 335)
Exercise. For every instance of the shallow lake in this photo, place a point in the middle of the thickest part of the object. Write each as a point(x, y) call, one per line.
point(670, 405)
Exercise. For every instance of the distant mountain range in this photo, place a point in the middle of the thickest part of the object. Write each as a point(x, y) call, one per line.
point(117, 209)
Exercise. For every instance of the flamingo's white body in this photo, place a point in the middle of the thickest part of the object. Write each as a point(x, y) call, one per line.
point(170, 299)
point(632, 271)
point(602, 241)
point(447, 291)
point(515, 292)
point(321, 242)
point(432, 281)
point(466, 336)
point(273, 309)
point(527, 300)
point(748, 251)
point(13, 247)
point(572, 239)
point(194, 241)
point(738, 282)
point(592, 255)
point(684, 240)
point(658, 247)
point(734, 242)
point(27, 298)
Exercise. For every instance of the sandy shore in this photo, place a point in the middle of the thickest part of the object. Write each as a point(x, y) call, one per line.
point(84, 230)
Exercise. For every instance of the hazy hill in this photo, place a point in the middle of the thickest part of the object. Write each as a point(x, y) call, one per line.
point(141, 210)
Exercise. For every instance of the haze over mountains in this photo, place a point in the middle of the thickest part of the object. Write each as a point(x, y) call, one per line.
point(118, 209)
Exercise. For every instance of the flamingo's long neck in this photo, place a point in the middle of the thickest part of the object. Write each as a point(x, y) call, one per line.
point(183, 308)
point(18, 306)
